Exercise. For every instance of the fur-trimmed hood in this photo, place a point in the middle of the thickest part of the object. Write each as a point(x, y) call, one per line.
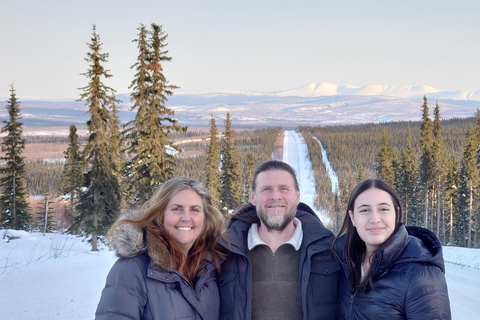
point(129, 240)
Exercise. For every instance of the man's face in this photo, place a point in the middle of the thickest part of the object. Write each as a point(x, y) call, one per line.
point(275, 199)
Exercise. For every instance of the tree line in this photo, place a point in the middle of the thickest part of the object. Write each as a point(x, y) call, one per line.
point(433, 164)
point(119, 167)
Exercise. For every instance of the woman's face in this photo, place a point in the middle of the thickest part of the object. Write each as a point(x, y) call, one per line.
point(374, 217)
point(184, 218)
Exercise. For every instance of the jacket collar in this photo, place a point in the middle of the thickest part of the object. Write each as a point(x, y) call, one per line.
point(408, 244)
point(129, 241)
point(240, 223)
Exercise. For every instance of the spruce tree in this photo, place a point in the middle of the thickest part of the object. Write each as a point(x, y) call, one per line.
point(476, 214)
point(451, 199)
point(468, 185)
point(212, 173)
point(248, 176)
point(99, 204)
point(15, 213)
point(439, 165)
point(426, 158)
point(45, 212)
point(361, 174)
point(384, 160)
point(231, 177)
point(72, 178)
point(408, 180)
point(337, 213)
point(151, 154)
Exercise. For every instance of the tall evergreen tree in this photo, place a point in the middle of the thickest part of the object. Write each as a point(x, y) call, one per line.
point(361, 174)
point(439, 165)
point(72, 178)
point(385, 160)
point(15, 213)
point(408, 179)
point(152, 159)
point(451, 199)
point(45, 212)
point(212, 172)
point(337, 213)
point(248, 176)
point(426, 158)
point(468, 185)
point(476, 213)
point(116, 142)
point(99, 204)
point(231, 177)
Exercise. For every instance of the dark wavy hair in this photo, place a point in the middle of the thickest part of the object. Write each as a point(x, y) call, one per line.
point(354, 245)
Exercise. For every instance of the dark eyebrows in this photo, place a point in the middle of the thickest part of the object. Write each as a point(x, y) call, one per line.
point(378, 204)
point(384, 204)
point(363, 205)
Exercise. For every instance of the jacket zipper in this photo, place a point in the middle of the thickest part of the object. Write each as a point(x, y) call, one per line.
point(350, 309)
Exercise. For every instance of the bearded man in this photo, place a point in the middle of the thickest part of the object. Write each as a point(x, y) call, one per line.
point(280, 265)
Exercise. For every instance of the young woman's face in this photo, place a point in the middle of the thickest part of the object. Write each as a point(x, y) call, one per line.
point(374, 217)
point(184, 218)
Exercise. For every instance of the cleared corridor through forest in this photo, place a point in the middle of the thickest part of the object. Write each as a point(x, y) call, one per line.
point(295, 153)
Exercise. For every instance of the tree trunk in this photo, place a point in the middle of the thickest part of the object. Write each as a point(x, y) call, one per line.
point(46, 217)
point(438, 214)
point(14, 202)
point(470, 210)
point(475, 231)
point(406, 210)
point(425, 223)
point(451, 222)
point(95, 225)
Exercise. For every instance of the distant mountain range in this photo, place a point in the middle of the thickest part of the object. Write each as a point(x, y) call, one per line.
point(313, 104)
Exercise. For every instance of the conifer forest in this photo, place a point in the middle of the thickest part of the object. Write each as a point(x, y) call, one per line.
point(432, 163)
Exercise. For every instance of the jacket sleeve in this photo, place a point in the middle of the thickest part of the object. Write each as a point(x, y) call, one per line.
point(427, 295)
point(124, 296)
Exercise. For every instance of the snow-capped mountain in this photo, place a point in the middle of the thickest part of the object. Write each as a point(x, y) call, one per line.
point(313, 104)
point(331, 89)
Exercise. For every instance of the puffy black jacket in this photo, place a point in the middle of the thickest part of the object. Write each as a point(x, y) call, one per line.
point(408, 276)
point(318, 278)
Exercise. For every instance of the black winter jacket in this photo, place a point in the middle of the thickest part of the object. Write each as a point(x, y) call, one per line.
point(318, 279)
point(408, 276)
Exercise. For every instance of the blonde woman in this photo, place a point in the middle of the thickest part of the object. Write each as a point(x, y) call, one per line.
point(168, 258)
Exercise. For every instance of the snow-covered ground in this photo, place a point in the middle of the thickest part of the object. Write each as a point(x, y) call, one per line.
point(56, 276)
point(462, 264)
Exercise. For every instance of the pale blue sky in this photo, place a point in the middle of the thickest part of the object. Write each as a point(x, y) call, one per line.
point(258, 45)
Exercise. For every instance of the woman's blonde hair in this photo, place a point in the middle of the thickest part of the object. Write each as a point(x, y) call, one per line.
point(205, 247)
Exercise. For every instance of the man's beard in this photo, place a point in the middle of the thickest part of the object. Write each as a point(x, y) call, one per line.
point(274, 221)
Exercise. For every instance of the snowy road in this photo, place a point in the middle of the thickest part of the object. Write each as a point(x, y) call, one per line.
point(295, 153)
point(463, 282)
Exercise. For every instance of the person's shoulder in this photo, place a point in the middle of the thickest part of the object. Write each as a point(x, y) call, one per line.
point(308, 217)
point(422, 250)
point(129, 266)
point(312, 227)
point(246, 214)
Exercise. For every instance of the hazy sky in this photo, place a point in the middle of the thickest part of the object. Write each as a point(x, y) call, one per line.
point(258, 45)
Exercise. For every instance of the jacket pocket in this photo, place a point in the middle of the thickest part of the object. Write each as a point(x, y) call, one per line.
point(229, 290)
point(323, 284)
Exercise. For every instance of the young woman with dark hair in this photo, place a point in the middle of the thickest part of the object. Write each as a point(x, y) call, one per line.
point(390, 271)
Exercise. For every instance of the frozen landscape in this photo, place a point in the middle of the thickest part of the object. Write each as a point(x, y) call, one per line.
point(312, 104)
point(56, 276)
